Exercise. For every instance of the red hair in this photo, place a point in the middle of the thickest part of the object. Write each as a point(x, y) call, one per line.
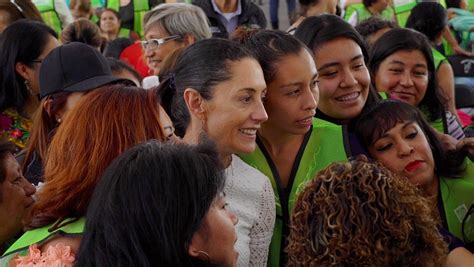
point(103, 124)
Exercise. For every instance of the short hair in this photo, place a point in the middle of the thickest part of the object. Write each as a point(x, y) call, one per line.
point(270, 47)
point(82, 31)
point(406, 39)
point(383, 116)
point(360, 214)
point(23, 41)
point(6, 148)
point(201, 66)
point(372, 25)
point(102, 125)
point(102, 10)
point(178, 19)
point(161, 194)
point(429, 18)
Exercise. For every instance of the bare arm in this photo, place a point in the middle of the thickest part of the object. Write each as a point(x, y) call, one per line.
point(445, 78)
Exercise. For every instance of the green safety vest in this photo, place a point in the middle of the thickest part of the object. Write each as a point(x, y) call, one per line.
point(363, 13)
point(124, 33)
point(37, 236)
point(322, 145)
point(457, 198)
point(403, 11)
point(438, 58)
point(140, 7)
point(49, 14)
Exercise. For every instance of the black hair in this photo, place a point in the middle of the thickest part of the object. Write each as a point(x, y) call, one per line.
point(269, 47)
point(308, 3)
point(117, 65)
point(6, 148)
point(23, 41)
point(453, 3)
point(149, 203)
point(315, 31)
point(384, 115)
point(372, 25)
point(406, 39)
point(429, 18)
point(115, 47)
point(368, 3)
point(201, 66)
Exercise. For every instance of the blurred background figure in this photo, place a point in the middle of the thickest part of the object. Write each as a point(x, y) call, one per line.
point(83, 31)
point(55, 13)
point(110, 25)
point(11, 11)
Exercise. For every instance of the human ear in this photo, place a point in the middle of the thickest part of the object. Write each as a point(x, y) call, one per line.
point(189, 39)
point(23, 70)
point(196, 246)
point(194, 102)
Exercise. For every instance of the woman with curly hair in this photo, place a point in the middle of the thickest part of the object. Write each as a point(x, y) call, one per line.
point(396, 134)
point(361, 214)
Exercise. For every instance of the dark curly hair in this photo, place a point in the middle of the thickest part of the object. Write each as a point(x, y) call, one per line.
point(360, 214)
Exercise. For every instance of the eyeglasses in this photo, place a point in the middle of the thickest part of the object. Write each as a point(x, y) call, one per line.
point(16, 5)
point(155, 43)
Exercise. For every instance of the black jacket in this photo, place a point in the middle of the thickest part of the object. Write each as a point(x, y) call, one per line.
point(251, 16)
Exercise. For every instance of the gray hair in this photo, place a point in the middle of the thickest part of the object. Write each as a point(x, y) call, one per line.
point(178, 19)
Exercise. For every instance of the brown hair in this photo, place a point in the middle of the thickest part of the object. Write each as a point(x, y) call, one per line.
point(102, 125)
point(24, 9)
point(83, 31)
point(6, 148)
point(361, 214)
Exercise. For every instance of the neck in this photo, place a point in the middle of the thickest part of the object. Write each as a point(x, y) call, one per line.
point(276, 141)
point(31, 105)
point(315, 10)
point(192, 136)
point(111, 35)
point(431, 190)
point(227, 6)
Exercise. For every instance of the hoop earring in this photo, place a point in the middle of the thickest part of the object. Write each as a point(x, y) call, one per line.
point(27, 84)
point(208, 259)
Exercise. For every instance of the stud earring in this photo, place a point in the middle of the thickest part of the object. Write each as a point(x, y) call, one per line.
point(27, 84)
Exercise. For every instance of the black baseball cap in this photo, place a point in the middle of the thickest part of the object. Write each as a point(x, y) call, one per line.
point(74, 67)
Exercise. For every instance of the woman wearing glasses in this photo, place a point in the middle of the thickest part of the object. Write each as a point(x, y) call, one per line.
point(169, 27)
point(23, 46)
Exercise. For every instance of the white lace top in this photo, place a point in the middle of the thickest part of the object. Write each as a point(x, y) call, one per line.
point(250, 196)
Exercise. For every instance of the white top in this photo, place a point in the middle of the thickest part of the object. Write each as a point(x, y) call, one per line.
point(63, 12)
point(250, 196)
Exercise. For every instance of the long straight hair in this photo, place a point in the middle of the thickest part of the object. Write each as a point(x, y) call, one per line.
point(102, 125)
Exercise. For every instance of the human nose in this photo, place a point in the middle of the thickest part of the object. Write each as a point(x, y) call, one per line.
point(406, 81)
point(28, 187)
point(348, 79)
point(148, 51)
point(311, 99)
point(259, 113)
point(404, 149)
point(233, 217)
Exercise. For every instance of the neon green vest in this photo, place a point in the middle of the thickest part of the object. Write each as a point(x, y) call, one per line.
point(96, 3)
point(457, 196)
point(323, 145)
point(438, 58)
point(20, 247)
point(49, 14)
point(363, 13)
point(125, 33)
point(403, 11)
point(140, 7)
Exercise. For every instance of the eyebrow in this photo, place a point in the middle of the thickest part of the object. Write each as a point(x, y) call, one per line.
point(401, 63)
point(331, 64)
point(298, 83)
point(403, 127)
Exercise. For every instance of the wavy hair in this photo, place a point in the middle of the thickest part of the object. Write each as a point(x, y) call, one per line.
point(102, 125)
point(361, 214)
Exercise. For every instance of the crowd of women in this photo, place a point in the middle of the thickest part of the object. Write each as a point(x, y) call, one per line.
point(264, 149)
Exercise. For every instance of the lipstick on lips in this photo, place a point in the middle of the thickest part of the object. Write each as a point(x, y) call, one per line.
point(413, 166)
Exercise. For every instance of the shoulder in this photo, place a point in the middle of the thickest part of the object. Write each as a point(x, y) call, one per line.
point(240, 167)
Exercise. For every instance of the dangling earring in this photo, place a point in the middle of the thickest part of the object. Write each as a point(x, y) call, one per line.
point(27, 84)
point(205, 255)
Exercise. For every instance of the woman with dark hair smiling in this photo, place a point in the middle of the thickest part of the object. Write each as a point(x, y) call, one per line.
point(401, 64)
point(215, 90)
point(397, 135)
point(187, 223)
